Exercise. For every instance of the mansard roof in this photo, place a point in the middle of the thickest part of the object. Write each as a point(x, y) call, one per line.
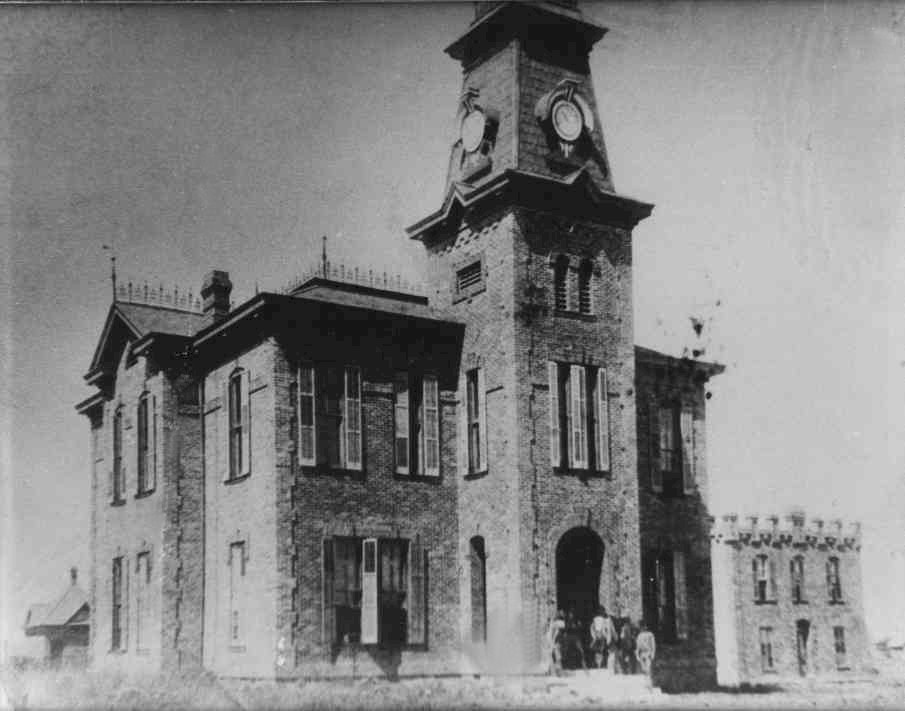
point(584, 197)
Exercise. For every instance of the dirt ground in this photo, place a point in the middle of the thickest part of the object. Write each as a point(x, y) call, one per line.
point(71, 690)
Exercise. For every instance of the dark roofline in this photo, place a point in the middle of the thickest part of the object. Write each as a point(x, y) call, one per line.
point(652, 357)
point(89, 403)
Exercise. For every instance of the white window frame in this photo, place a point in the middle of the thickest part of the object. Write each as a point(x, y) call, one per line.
point(402, 426)
point(555, 431)
point(476, 458)
point(307, 433)
point(352, 435)
point(602, 422)
point(430, 426)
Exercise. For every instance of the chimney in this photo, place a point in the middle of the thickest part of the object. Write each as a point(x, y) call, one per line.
point(74, 575)
point(215, 296)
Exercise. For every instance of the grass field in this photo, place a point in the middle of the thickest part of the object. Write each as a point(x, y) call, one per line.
point(74, 690)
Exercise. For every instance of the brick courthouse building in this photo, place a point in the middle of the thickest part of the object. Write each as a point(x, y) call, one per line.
point(350, 478)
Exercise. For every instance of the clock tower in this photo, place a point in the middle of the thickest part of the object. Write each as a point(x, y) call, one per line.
point(531, 248)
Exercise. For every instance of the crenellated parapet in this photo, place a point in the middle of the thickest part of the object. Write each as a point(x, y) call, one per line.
point(793, 530)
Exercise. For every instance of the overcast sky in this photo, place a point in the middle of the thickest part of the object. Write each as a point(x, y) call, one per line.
point(769, 137)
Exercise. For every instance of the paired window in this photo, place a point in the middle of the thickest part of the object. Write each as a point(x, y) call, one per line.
point(475, 421)
point(142, 600)
point(562, 289)
point(117, 638)
point(239, 413)
point(119, 473)
point(329, 416)
point(374, 591)
point(237, 598)
point(470, 279)
point(796, 574)
point(665, 593)
point(764, 575)
point(147, 443)
point(839, 647)
point(478, 561)
point(579, 417)
point(672, 450)
point(833, 582)
point(417, 424)
point(765, 637)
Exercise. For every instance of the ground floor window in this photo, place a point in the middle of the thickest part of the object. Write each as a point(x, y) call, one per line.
point(142, 600)
point(374, 591)
point(478, 560)
point(664, 594)
point(237, 566)
point(839, 646)
point(118, 640)
point(766, 648)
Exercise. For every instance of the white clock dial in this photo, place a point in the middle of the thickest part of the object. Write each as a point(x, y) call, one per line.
point(567, 120)
point(473, 130)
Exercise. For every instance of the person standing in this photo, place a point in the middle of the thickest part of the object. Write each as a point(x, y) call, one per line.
point(572, 638)
point(555, 633)
point(645, 649)
point(602, 636)
point(626, 647)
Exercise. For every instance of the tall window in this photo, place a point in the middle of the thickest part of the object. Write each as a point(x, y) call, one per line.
point(561, 283)
point(237, 563)
point(579, 417)
point(664, 593)
point(585, 297)
point(476, 420)
point(329, 416)
point(117, 641)
point(147, 443)
point(796, 570)
point(764, 578)
point(238, 395)
point(417, 420)
point(766, 648)
point(672, 450)
point(833, 583)
point(839, 647)
point(142, 600)
point(478, 590)
point(119, 475)
point(374, 591)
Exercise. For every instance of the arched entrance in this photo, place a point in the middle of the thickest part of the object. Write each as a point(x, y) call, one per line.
point(579, 561)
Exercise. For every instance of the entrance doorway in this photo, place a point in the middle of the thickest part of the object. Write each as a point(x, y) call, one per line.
point(579, 561)
point(802, 630)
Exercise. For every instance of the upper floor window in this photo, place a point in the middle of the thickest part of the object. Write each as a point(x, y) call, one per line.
point(119, 474)
point(329, 416)
point(579, 417)
point(796, 570)
point(765, 636)
point(375, 591)
point(417, 424)
point(764, 578)
point(664, 593)
point(833, 582)
point(561, 283)
point(672, 449)
point(239, 405)
point(585, 294)
point(147, 443)
point(476, 421)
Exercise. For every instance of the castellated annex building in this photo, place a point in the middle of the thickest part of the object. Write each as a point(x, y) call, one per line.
point(350, 478)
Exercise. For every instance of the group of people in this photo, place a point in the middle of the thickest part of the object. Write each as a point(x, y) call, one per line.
point(625, 650)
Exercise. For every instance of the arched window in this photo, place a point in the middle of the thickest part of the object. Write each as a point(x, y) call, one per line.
point(119, 484)
point(478, 590)
point(585, 299)
point(238, 413)
point(796, 570)
point(561, 283)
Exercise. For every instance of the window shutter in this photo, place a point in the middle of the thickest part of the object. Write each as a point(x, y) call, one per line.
point(829, 579)
point(678, 562)
point(578, 447)
point(686, 428)
point(602, 418)
point(306, 414)
point(771, 571)
point(246, 422)
point(431, 427)
point(352, 418)
point(126, 619)
point(553, 384)
point(463, 426)
point(328, 628)
point(401, 387)
point(482, 420)
point(369, 591)
point(754, 577)
point(417, 594)
point(656, 469)
point(155, 438)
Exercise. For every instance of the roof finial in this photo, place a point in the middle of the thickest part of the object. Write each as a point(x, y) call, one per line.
point(324, 256)
point(110, 249)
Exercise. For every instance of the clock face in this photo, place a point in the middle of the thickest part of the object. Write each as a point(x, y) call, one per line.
point(567, 120)
point(473, 130)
